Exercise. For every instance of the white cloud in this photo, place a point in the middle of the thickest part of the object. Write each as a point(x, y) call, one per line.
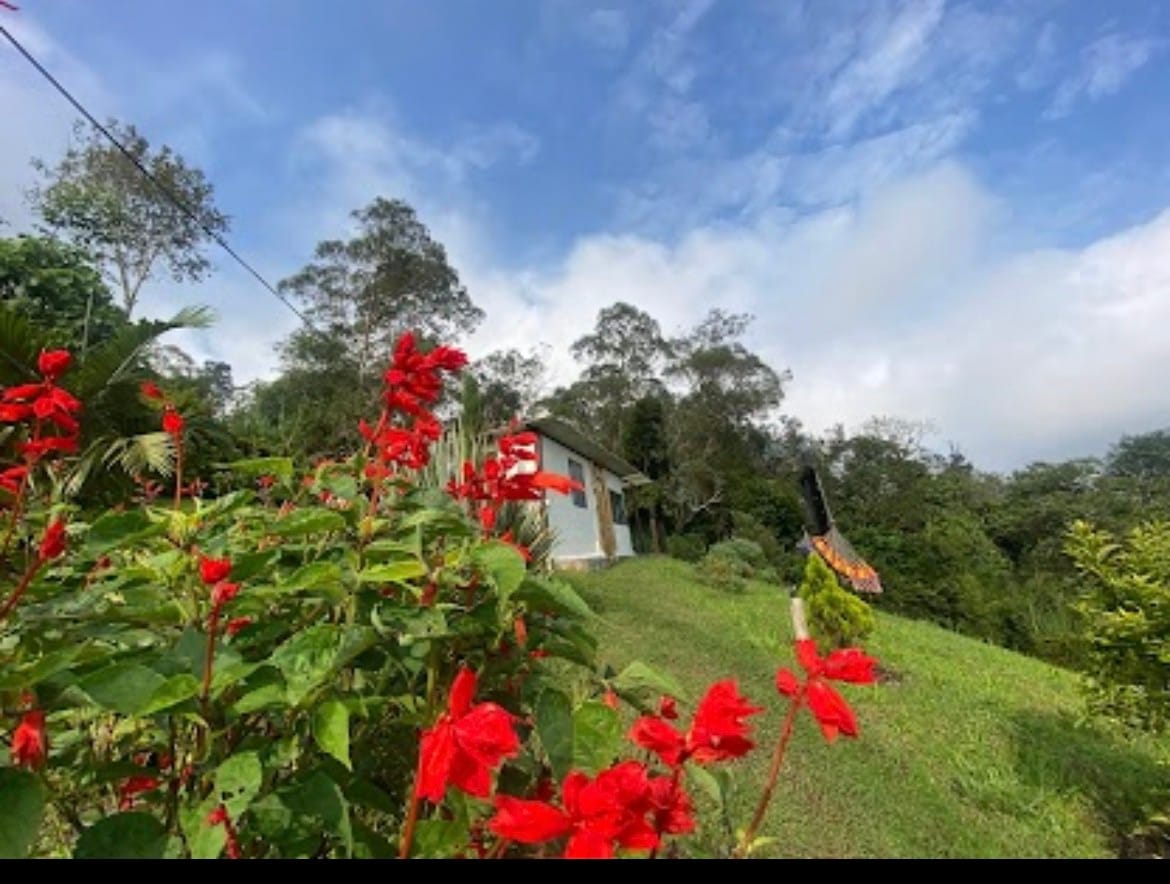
point(1106, 65)
point(890, 54)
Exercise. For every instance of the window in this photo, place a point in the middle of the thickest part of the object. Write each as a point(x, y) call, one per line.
point(617, 503)
point(577, 474)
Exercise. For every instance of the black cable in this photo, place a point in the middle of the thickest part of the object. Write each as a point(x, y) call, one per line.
point(176, 201)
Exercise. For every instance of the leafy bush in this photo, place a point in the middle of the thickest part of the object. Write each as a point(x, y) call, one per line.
point(722, 572)
point(688, 547)
point(836, 617)
point(1127, 620)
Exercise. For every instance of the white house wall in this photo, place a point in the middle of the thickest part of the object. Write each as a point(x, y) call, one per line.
point(576, 528)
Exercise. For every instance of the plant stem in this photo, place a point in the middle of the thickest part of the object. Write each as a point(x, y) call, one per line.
point(773, 775)
point(411, 818)
point(21, 587)
point(212, 624)
point(178, 470)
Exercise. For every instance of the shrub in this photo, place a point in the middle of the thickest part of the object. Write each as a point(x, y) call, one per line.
point(688, 547)
point(837, 618)
point(748, 527)
point(722, 572)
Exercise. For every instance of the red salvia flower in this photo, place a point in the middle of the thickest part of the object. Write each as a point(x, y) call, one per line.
point(668, 708)
point(236, 624)
point(610, 699)
point(718, 732)
point(212, 571)
point(597, 815)
point(151, 390)
point(222, 593)
point(172, 422)
point(53, 363)
point(52, 541)
point(834, 716)
point(30, 742)
point(465, 745)
point(134, 787)
point(672, 811)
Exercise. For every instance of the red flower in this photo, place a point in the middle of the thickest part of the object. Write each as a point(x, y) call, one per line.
point(172, 422)
point(12, 478)
point(40, 447)
point(668, 708)
point(220, 817)
point(30, 743)
point(212, 571)
point(133, 787)
point(672, 808)
point(520, 628)
point(596, 815)
point(718, 731)
point(610, 699)
point(237, 624)
point(52, 541)
point(266, 481)
point(53, 363)
point(150, 390)
point(222, 593)
point(465, 744)
point(833, 714)
point(12, 413)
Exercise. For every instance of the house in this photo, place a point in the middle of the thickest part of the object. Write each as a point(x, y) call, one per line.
point(591, 526)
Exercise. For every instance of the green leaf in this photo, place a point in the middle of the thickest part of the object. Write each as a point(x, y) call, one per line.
point(318, 796)
point(115, 529)
point(438, 839)
point(172, 692)
point(245, 566)
point(502, 563)
point(123, 836)
point(261, 690)
point(23, 798)
point(255, 467)
point(313, 520)
point(315, 575)
point(555, 596)
point(123, 687)
point(715, 783)
point(238, 781)
point(50, 664)
point(638, 677)
point(331, 730)
point(597, 736)
point(554, 726)
point(310, 658)
point(368, 844)
point(393, 572)
point(203, 840)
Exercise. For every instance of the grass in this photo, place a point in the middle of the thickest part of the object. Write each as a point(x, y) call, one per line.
point(969, 751)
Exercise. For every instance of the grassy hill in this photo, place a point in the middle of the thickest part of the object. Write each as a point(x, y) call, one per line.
point(969, 751)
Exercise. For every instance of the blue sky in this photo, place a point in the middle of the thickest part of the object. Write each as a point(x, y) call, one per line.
point(943, 211)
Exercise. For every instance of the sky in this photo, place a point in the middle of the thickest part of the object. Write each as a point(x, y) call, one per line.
point(955, 213)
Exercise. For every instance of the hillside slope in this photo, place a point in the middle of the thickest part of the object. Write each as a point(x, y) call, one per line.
point(968, 751)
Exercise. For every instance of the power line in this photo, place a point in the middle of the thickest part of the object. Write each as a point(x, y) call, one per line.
point(174, 199)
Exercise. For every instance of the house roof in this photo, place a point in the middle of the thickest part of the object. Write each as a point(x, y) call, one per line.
point(573, 439)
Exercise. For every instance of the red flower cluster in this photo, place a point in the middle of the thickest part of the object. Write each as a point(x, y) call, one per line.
point(214, 573)
point(30, 742)
point(52, 541)
point(41, 405)
point(621, 807)
point(465, 745)
point(718, 732)
point(133, 787)
point(413, 383)
point(828, 707)
point(508, 475)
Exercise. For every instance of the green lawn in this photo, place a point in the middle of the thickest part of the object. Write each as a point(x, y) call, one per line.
point(970, 751)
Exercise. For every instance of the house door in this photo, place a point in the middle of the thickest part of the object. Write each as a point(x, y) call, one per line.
point(604, 512)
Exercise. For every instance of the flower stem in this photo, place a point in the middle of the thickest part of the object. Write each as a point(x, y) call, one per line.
point(21, 587)
point(17, 511)
point(773, 775)
point(178, 470)
point(212, 624)
point(411, 820)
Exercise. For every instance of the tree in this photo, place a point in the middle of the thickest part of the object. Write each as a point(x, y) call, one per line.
point(55, 285)
point(361, 294)
point(99, 200)
point(389, 278)
point(508, 383)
